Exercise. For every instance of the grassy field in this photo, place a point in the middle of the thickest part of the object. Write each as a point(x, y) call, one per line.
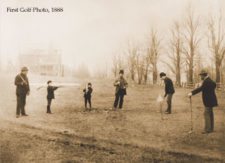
point(135, 134)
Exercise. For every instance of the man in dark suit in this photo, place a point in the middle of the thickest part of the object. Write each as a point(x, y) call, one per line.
point(209, 100)
point(22, 90)
point(121, 85)
point(169, 91)
point(87, 95)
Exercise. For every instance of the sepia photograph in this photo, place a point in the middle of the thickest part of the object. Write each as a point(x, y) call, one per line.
point(112, 81)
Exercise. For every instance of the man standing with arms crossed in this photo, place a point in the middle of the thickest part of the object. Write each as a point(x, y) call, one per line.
point(22, 90)
point(209, 100)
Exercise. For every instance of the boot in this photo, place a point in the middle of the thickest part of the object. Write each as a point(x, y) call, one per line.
point(48, 109)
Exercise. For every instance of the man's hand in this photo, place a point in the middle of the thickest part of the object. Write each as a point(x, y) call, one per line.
point(165, 96)
point(23, 83)
point(189, 94)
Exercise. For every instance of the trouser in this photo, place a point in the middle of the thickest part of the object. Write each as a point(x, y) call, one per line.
point(21, 102)
point(49, 105)
point(118, 99)
point(87, 100)
point(169, 102)
point(209, 119)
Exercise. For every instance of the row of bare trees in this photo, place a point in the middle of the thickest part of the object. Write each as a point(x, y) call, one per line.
point(187, 39)
point(140, 60)
point(185, 45)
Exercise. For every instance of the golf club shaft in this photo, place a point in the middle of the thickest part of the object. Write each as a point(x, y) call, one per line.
point(191, 114)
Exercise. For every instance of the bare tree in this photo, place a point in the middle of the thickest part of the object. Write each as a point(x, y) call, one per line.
point(146, 67)
point(117, 64)
point(217, 43)
point(139, 64)
point(153, 51)
point(198, 67)
point(175, 52)
point(132, 56)
point(191, 41)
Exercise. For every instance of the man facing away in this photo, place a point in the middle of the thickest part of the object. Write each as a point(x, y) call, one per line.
point(22, 90)
point(169, 91)
point(209, 100)
point(121, 85)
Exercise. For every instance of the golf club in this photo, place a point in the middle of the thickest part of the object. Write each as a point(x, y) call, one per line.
point(191, 131)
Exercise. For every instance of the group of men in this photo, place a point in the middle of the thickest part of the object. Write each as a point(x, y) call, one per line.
point(207, 88)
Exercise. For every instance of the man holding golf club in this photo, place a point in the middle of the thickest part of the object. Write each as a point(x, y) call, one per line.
point(169, 91)
point(209, 100)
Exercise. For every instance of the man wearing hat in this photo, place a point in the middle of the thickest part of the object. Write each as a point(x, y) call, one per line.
point(22, 90)
point(169, 91)
point(209, 100)
point(121, 85)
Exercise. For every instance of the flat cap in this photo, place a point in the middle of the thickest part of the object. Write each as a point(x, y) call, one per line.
point(24, 69)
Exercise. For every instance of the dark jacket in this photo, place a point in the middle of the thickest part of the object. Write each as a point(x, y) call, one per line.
point(169, 89)
point(22, 84)
point(121, 87)
point(50, 90)
point(87, 92)
point(208, 92)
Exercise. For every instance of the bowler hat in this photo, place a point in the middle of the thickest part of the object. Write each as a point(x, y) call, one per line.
point(162, 74)
point(24, 69)
point(121, 72)
point(203, 72)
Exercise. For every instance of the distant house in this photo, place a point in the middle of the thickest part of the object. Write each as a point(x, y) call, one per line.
point(42, 62)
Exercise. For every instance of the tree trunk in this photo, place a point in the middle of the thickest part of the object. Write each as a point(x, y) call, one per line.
point(178, 78)
point(155, 75)
point(132, 76)
point(217, 72)
point(190, 76)
point(178, 73)
point(146, 74)
point(139, 78)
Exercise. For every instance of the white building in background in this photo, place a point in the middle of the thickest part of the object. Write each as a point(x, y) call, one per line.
point(42, 62)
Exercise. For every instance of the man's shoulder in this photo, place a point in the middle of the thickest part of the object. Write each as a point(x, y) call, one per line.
point(209, 80)
point(168, 79)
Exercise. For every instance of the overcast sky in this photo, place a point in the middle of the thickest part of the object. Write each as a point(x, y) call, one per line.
point(88, 31)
